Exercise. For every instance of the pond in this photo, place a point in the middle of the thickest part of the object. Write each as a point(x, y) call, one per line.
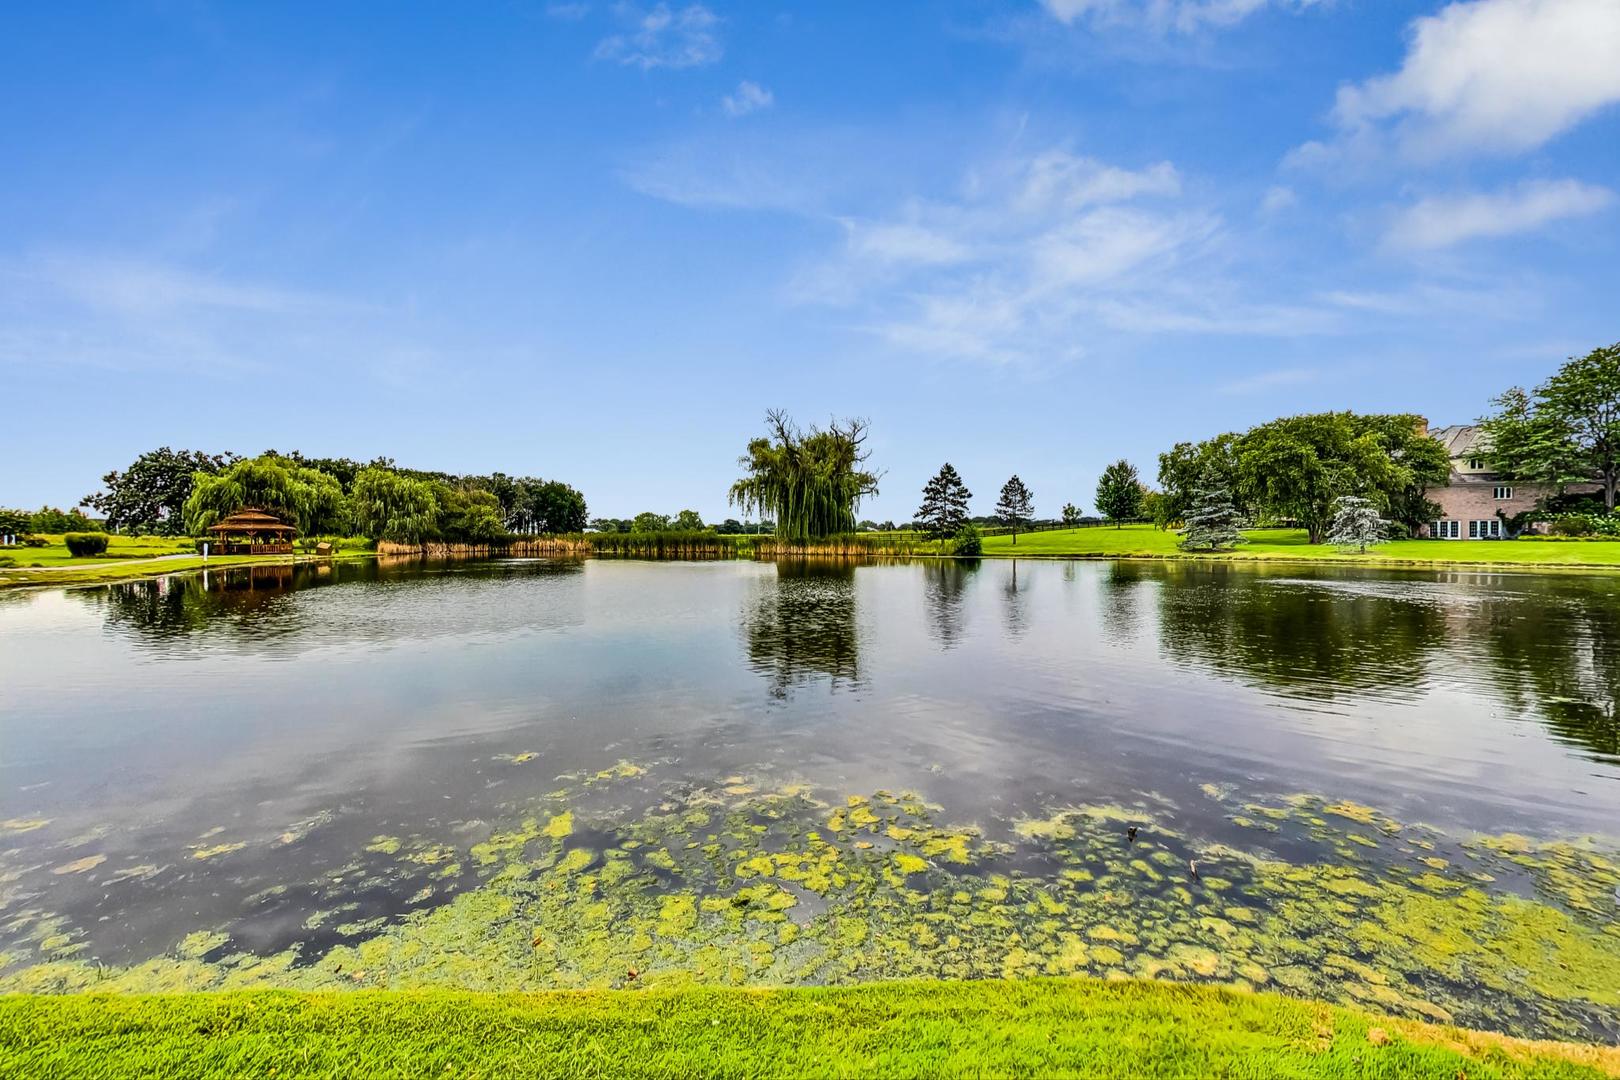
point(1393, 789)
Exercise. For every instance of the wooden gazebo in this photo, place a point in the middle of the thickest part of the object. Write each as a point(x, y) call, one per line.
point(251, 531)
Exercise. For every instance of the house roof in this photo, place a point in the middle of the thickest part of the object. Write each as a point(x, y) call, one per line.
point(1460, 440)
point(248, 520)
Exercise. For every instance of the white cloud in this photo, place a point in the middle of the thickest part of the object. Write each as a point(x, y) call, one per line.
point(901, 243)
point(568, 12)
point(664, 38)
point(1277, 199)
point(1500, 76)
point(1444, 220)
point(749, 97)
point(1039, 260)
point(1160, 16)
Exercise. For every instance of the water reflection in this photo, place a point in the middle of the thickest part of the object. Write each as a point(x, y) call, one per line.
point(945, 583)
point(1015, 603)
point(799, 625)
point(266, 609)
point(1560, 661)
point(1320, 639)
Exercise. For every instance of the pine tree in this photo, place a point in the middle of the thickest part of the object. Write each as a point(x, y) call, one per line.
point(1355, 523)
point(1212, 522)
point(1119, 492)
point(945, 503)
point(1017, 505)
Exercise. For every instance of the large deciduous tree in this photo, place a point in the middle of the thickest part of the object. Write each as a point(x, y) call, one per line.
point(150, 495)
point(1296, 467)
point(811, 482)
point(1568, 430)
point(308, 499)
point(649, 522)
point(388, 506)
point(1016, 505)
point(944, 507)
point(688, 521)
point(1119, 492)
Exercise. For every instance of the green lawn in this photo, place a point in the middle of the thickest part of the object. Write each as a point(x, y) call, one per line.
point(1148, 541)
point(991, 1028)
point(128, 558)
point(118, 547)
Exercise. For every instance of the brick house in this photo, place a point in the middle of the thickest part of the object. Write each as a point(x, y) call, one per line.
point(1474, 502)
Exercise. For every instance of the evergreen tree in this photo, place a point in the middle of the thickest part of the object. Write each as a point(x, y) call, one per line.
point(1355, 523)
point(1119, 492)
point(1017, 505)
point(1212, 523)
point(945, 503)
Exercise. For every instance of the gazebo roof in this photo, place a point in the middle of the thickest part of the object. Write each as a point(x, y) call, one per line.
point(249, 520)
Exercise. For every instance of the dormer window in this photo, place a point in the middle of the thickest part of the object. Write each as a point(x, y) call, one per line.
point(1476, 463)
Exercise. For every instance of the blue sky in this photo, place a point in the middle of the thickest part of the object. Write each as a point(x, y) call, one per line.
point(595, 241)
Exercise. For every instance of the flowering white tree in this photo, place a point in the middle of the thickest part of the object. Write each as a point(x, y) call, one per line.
point(1355, 524)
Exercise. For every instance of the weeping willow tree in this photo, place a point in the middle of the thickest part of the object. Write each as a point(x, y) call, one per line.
point(810, 482)
point(310, 500)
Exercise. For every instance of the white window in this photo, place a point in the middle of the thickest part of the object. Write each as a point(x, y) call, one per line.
point(1485, 530)
point(1446, 530)
point(1473, 529)
point(1476, 463)
point(1503, 493)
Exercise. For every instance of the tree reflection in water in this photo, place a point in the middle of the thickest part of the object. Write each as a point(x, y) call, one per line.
point(945, 583)
point(799, 625)
point(1317, 638)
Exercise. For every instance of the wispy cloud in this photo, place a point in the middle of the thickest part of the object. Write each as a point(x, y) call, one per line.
point(1270, 380)
point(664, 37)
point(1277, 199)
point(748, 97)
point(1163, 16)
point(568, 12)
point(1482, 76)
point(1442, 221)
point(128, 313)
point(1040, 259)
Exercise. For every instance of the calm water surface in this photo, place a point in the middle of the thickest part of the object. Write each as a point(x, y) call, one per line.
point(149, 720)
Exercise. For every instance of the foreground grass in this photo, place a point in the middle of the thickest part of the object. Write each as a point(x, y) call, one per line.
point(1146, 541)
point(1044, 1028)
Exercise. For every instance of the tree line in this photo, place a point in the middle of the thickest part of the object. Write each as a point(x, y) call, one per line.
point(182, 492)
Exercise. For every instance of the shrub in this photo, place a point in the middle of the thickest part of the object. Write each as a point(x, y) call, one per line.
point(35, 541)
point(967, 541)
point(82, 544)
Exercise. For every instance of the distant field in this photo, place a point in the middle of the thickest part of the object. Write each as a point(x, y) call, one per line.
point(1147, 540)
point(982, 1028)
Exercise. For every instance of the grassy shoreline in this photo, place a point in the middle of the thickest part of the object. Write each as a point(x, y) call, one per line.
point(1292, 545)
point(1057, 1027)
point(139, 558)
